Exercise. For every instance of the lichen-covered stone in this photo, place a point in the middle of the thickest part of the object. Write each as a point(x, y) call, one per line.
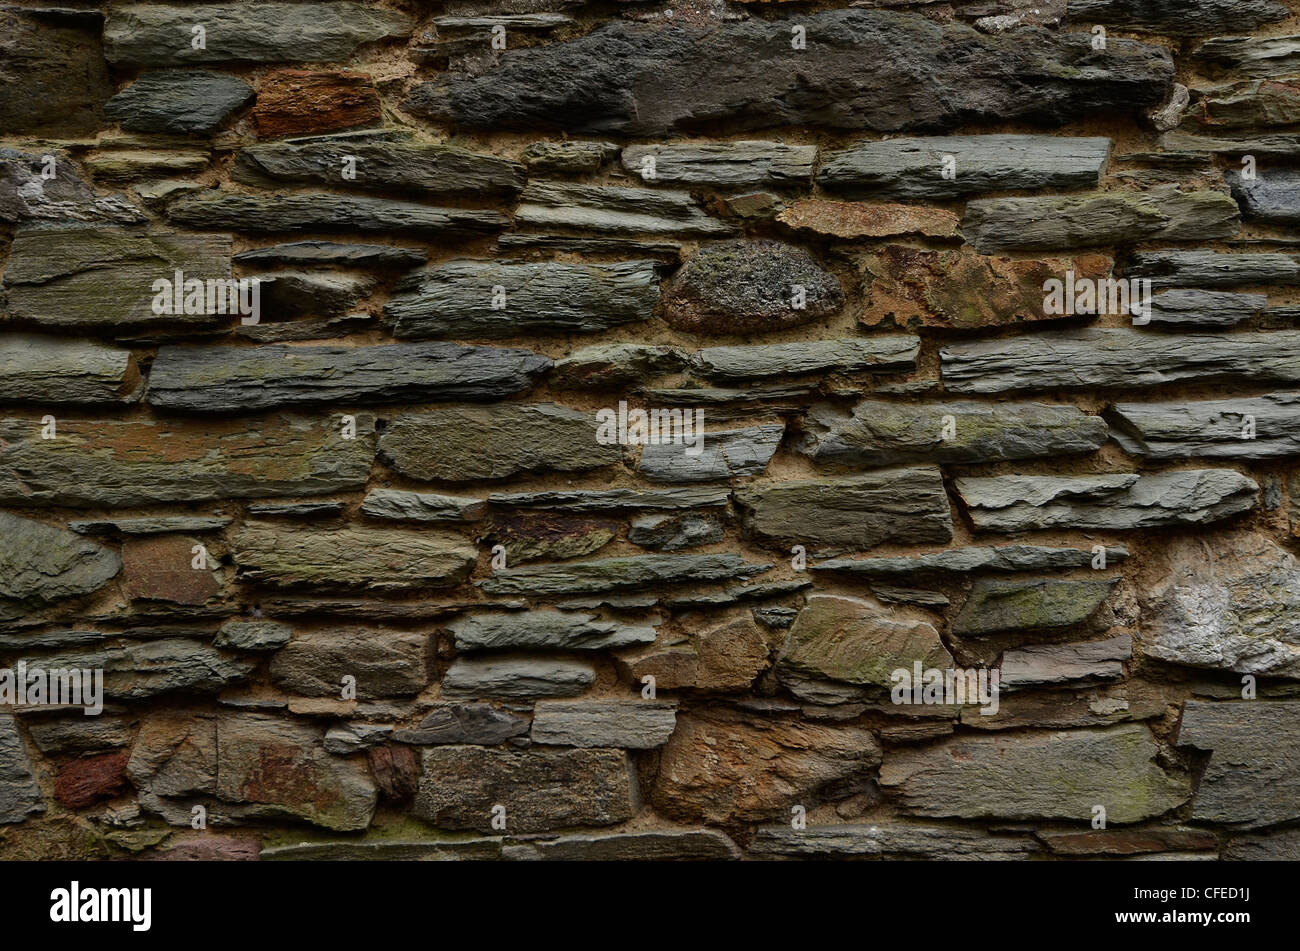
point(995, 606)
point(37, 369)
point(226, 210)
point(615, 209)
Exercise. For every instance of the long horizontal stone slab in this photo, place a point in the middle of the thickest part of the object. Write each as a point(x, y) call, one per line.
point(879, 433)
point(220, 210)
point(861, 69)
point(615, 209)
point(848, 355)
point(545, 630)
point(1002, 558)
point(304, 253)
point(1213, 268)
point(1262, 427)
point(918, 170)
point(1118, 357)
point(179, 101)
point(222, 379)
point(1262, 56)
point(723, 454)
point(595, 500)
point(723, 164)
point(402, 505)
point(519, 678)
point(460, 298)
point(1179, 18)
point(613, 574)
point(892, 839)
point(160, 35)
point(997, 605)
point(114, 463)
point(1026, 503)
point(53, 371)
point(621, 724)
point(1060, 222)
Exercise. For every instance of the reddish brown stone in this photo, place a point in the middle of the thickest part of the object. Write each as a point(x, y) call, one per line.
point(1129, 841)
point(159, 568)
point(310, 102)
point(210, 848)
point(84, 782)
point(848, 219)
point(727, 657)
point(396, 770)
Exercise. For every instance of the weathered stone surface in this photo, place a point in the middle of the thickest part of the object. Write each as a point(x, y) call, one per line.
point(117, 463)
point(1279, 145)
point(253, 635)
point(1053, 223)
point(1041, 775)
point(149, 35)
point(1252, 775)
point(545, 630)
point(41, 564)
point(387, 850)
point(161, 568)
point(1228, 604)
point(541, 789)
point(723, 164)
point(849, 220)
point(223, 379)
point(314, 102)
point(125, 165)
point(303, 253)
point(150, 525)
point(893, 839)
point(613, 366)
point(92, 277)
point(1114, 842)
point(76, 733)
point(355, 737)
point(36, 369)
point(384, 663)
point(911, 287)
point(516, 677)
point(546, 536)
point(1118, 357)
point(20, 797)
point(998, 605)
point(1124, 501)
point(179, 101)
point(596, 500)
point(480, 724)
point(912, 169)
point(139, 670)
point(456, 298)
point(750, 286)
point(697, 845)
point(247, 766)
point(725, 658)
point(613, 574)
point(1263, 56)
point(431, 169)
point(28, 193)
point(421, 506)
point(1219, 429)
point(1272, 196)
point(872, 70)
point(1252, 104)
point(724, 766)
point(468, 443)
point(904, 505)
point(970, 560)
point(568, 158)
point(878, 433)
point(856, 642)
point(1180, 17)
point(620, 724)
point(1049, 665)
point(674, 532)
point(849, 355)
point(723, 454)
point(287, 294)
point(219, 210)
point(615, 209)
point(90, 779)
point(54, 72)
point(1197, 308)
point(1213, 268)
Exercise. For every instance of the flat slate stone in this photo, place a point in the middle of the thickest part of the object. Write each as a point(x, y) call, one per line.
point(1180, 17)
point(615, 209)
point(724, 454)
point(223, 379)
point(913, 169)
point(27, 195)
point(891, 839)
point(52, 371)
point(151, 525)
point(383, 663)
point(159, 35)
point(1126, 501)
point(614, 574)
point(41, 564)
point(596, 500)
point(1050, 665)
point(863, 69)
point(1060, 222)
point(179, 101)
point(614, 366)
point(479, 724)
point(878, 433)
point(723, 164)
point(516, 677)
point(908, 506)
point(1039, 775)
point(545, 629)
point(428, 168)
point(1204, 309)
point(620, 724)
point(1001, 558)
point(674, 845)
point(889, 354)
point(1248, 104)
point(995, 606)
point(421, 506)
point(674, 532)
point(52, 68)
point(1220, 429)
point(139, 670)
point(1273, 196)
point(253, 635)
point(20, 797)
point(568, 158)
point(1213, 268)
point(1263, 56)
point(114, 463)
point(455, 299)
point(334, 253)
point(219, 210)
point(1120, 358)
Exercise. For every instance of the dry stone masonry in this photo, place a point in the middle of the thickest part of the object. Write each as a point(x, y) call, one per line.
point(660, 430)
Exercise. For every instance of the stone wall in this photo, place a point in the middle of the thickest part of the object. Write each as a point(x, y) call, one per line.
point(370, 569)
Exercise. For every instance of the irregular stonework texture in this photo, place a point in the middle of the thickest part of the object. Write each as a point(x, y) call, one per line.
point(853, 429)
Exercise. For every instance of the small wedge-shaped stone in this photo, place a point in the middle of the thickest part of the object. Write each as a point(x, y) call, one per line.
point(1060, 222)
point(458, 299)
point(613, 574)
point(1272, 196)
point(1213, 268)
point(620, 724)
point(219, 210)
point(969, 560)
point(913, 169)
point(115, 464)
point(225, 379)
point(179, 101)
point(516, 677)
point(598, 500)
point(20, 797)
point(468, 443)
point(545, 629)
point(996, 605)
point(36, 369)
point(1118, 357)
point(1049, 665)
point(421, 506)
point(1126, 501)
point(892, 354)
point(1252, 55)
point(908, 506)
point(878, 433)
point(159, 35)
point(371, 559)
point(41, 564)
point(723, 454)
point(615, 209)
point(429, 168)
point(1261, 427)
point(723, 164)
point(1039, 775)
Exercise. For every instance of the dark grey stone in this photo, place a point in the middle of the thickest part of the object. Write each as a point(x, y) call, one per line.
point(179, 101)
